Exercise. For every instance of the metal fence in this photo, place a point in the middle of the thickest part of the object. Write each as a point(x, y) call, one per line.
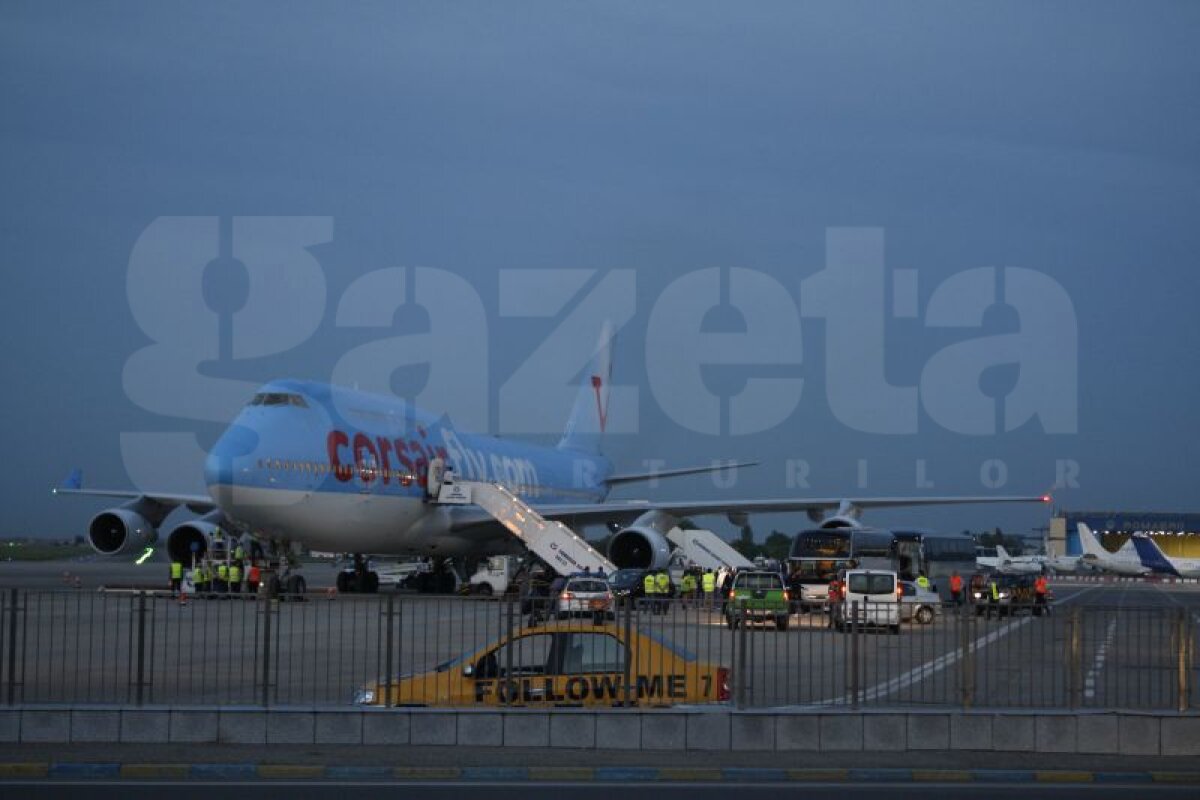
point(147, 648)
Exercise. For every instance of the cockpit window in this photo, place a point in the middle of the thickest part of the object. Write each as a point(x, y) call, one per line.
point(278, 399)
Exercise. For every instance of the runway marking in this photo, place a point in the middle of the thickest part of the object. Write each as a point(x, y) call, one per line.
point(1089, 682)
point(931, 668)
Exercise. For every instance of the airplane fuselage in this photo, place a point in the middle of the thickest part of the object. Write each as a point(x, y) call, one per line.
point(346, 471)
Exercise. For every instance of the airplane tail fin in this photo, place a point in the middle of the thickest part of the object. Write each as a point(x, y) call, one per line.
point(1001, 553)
point(1089, 543)
point(589, 415)
point(1152, 556)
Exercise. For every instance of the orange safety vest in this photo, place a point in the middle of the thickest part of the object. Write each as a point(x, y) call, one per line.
point(956, 584)
point(1039, 585)
point(253, 575)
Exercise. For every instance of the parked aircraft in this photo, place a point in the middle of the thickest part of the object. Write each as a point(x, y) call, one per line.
point(334, 469)
point(1019, 565)
point(1155, 559)
point(1061, 564)
point(1006, 563)
point(1123, 562)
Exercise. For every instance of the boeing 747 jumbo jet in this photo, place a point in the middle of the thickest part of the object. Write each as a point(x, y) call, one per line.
point(312, 465)
point(1155, 559)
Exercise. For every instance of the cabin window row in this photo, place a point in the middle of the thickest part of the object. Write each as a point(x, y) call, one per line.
point(318, 468)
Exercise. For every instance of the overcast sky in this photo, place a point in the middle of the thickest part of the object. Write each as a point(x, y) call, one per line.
point(1058, 139)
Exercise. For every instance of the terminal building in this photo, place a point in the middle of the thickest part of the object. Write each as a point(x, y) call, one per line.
point(1177, 534)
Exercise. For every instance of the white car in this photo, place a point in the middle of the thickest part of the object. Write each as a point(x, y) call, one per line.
point(583, 595)
point(917, 604)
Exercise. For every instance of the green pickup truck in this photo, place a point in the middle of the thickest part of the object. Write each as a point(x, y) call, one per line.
point(757, 597)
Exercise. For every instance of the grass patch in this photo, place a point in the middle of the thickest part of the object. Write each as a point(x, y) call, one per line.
point(41, 551)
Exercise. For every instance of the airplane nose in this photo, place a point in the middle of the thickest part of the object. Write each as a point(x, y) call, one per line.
point(235, 444)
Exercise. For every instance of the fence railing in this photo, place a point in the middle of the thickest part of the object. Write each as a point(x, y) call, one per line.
point(148, 648)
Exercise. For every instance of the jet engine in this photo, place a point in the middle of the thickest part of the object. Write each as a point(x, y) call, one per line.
point(118, 531)
point(198, 532)
point(840, 522)
point(643, 544)
point(846, 516)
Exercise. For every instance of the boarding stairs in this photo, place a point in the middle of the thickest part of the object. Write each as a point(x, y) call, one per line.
point(706, 550)
point(564, 550)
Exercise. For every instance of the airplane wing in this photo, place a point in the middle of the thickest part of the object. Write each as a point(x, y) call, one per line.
point(654, 475)
point(197, 503)
point(622, 511)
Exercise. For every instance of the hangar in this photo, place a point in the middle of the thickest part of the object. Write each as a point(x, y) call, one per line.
point(1177, 534)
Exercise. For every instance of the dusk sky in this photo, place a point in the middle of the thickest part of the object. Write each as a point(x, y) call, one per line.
point(1029, 174)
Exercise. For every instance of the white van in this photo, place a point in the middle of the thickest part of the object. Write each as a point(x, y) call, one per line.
point(876, 593)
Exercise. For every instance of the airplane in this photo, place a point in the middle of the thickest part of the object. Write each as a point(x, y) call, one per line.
point(1155, 559)
point(1019, 565)
point(1123, 562)
point(1060, 564)
point(308, 464)
point(1033, 565)
point(1006, 563)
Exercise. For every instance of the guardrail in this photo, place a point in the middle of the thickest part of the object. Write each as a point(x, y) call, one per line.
point(151, 649)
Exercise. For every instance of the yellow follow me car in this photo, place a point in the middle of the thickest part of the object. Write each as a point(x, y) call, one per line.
point(568, 663)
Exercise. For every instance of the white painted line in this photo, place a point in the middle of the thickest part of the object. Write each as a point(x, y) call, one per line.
point(940, 663)
point(1089, 682)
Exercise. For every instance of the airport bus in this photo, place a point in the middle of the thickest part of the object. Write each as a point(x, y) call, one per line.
point(818, 555)
point(938, 555)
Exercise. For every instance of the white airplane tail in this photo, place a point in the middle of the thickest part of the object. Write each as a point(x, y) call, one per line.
point(1089, 543)
point(589, 415)
point(1002, 554)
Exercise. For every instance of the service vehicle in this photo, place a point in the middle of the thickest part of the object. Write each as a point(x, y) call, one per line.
point(562, 663)
point(495, 577)
point(917, 604)
point(758, 597)
point(871, 600)
point(370, 575)
point(1014, 594)
point(583, 595)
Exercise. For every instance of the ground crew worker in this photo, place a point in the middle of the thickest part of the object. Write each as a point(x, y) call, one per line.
point(956, 588)
point(708, 583)
point(649, 588)
point(993, 597)
point(688, 586)
point(235, 577)
point(239, 554)
point(176, 577)
point(1040, 589)
point(662, 590)
point(223, 577)
point(834, 598)
point(200, 579)
point(923, 581)
point(253, 577)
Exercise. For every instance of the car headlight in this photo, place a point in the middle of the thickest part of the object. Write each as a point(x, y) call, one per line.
point(1003, 595)
point(364, 697)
